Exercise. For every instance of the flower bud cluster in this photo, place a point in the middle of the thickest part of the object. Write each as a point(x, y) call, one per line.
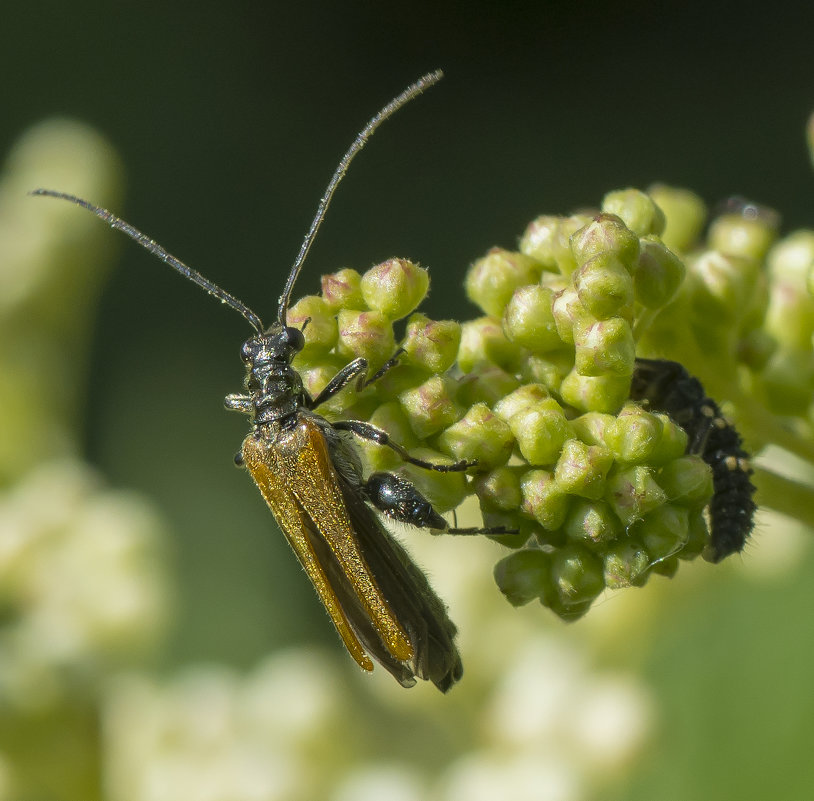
point(596, 491)
point(745, 312)
point(599, 489)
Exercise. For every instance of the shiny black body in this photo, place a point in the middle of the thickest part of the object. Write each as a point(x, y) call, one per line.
point(300, 461)
point(275, 399)
point(667, 387)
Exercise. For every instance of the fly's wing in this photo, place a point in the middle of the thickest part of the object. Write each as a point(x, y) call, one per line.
point(422, 613)
point(294, 473)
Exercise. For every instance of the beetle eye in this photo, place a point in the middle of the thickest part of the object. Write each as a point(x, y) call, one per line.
point(294, 339)
point(246, 351)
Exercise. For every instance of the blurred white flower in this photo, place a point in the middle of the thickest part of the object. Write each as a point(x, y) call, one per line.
point(83, 581)
point(52, 264)
point(519, 777)
point(610, 722)
point(64, 155)
point(210, 734)
point(381, 782)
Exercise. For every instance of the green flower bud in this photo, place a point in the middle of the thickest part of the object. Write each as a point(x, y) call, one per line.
point(399, 379)
point(604, 286)
point(605, 233)
point(568, 612)
point(569, 314)
point(366, 334)
point(722, 287)
point(626, 564)
point(485, 383)
point(633, 492)
point(556, 282)
point(687, 481)
point(431, 406)
point(343, 290)
point(749, 237)
point(667, 567)
point(390, 417)
point(663, 531)
point(549, 370)
point(524, 576)
point(483, 340)
point(637, 209)
point(492, 280)
point(499, 489)
point(395, 287)
point(563, 253)
point(792, 258)
point(525, 530)
point(362, 407)
point(541, 241)
point(790, 316)
point(445, 491)
point(671, 445)
point(634, 434)
point(547, 240)
point(540, 431)
point(578, 576)
point(685, 215)
point(698, 536)
point(529, 320)
point(657, 274)
point(315, 378)
point(590, 427)
point(788, 381)
point(592, 524)
point(318, 320)
point(756, 348)
point(479, 435)
point(605, 346)
point(431, 344)
point(544, 499)
point(601, 393)
point(523, 397)
point(790, 313)
point(581, 469)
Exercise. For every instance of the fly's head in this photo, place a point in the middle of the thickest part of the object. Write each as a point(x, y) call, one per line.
point(274, 386)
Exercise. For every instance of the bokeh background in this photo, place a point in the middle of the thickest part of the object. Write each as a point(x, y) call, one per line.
point(229, 121)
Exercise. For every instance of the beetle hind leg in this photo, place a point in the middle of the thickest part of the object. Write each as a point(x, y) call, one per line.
point(398, 499)
point(380, 437)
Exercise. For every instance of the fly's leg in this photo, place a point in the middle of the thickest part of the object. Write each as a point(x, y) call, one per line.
point(398, 499)
point(381, 437)
point(357, 369)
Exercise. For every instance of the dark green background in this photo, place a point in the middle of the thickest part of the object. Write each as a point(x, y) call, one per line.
point(230, 122)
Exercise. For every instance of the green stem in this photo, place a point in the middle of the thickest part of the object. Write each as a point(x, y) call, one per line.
point(785, 495)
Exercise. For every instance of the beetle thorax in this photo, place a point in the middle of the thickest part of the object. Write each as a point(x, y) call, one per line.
point(274, 386)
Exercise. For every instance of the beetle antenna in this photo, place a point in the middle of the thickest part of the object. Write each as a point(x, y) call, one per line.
point(391, 108)
point(148, 244)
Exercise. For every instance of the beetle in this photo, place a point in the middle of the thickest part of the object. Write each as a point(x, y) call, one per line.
point(309, 472)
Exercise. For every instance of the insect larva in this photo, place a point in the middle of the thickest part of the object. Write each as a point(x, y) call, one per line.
point(667, 387)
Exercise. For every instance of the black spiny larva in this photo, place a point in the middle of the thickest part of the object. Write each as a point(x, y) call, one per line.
point(667, 387)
